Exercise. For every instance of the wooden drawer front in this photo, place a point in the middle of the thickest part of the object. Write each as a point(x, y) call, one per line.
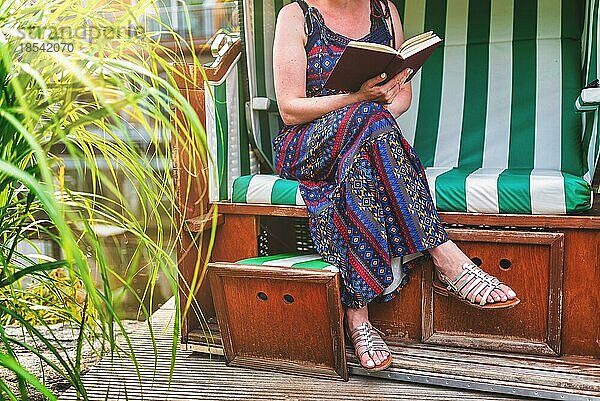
point(532, 264)
point(279, 318)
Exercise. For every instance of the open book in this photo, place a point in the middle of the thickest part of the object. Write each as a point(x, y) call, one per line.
point(361, 61)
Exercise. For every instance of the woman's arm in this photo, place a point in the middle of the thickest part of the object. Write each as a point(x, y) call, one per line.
point(289, 70)
point(403, 98)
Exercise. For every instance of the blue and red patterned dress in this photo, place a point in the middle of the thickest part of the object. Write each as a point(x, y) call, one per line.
point(365, 188)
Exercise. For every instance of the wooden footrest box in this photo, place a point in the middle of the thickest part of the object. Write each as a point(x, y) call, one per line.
point(532, 264)
point(280, 318)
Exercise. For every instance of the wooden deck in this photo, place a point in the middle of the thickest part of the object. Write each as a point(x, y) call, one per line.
point(198, 377)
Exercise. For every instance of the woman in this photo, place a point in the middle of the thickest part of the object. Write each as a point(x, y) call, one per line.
point(365, 189)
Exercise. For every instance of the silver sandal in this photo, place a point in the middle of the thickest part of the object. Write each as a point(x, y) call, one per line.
point(471, 278)
point(365, 338)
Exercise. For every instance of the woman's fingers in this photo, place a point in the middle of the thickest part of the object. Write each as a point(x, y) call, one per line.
point(402, 76)
point(392, 93)
point(375, 80)
point(384, 93)
point(370, 89)
point(405, 74)
point(389, 92)
point(390, 84)
point(399, 83)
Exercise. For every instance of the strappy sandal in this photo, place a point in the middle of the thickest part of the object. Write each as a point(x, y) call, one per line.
point(472, 278)
point(365, 338)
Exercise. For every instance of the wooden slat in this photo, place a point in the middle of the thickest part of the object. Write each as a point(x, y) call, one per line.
point(197, 376)
point(203, 223)
point(261, 210)
point(585, 221)
point(574, 378)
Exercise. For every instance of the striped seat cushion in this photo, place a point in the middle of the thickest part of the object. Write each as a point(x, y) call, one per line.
point(591, 69)
point(315, 262)
point(299, 260)
point(270, 189)
point(523, 191)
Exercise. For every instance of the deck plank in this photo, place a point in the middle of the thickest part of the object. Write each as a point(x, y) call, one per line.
point(198, 377)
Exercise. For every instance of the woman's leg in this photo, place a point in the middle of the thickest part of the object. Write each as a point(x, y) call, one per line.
point(354, 318)
point(449, 259)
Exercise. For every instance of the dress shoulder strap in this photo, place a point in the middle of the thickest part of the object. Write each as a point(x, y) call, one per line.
point(308, 24)
point(381, 9)
point(303, 5)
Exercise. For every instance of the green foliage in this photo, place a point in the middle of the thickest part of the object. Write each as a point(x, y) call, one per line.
point(81, 80)
point(48, 300)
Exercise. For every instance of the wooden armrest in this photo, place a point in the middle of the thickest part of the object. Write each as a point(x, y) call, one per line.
point(264, 104)
point(191, 76)
point(588, 100)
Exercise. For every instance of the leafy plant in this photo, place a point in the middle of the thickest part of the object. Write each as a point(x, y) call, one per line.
point(49, 299)
point(81, 80)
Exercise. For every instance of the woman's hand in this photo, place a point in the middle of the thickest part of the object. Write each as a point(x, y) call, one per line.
point(386, 93)
point(402, 99)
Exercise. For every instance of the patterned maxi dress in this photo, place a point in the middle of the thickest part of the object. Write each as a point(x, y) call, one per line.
point(365, 189)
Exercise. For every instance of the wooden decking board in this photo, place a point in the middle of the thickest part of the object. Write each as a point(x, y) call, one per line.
point(577, 365)
point(200, 377)
point(525, 371)
point(478, 366)
point(566, 378)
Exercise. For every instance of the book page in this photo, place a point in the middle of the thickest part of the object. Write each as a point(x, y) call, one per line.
point(371, 46)
point(417, 47)
point(416, 39)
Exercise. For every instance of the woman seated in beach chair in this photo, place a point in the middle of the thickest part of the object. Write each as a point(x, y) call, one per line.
point(365, 188)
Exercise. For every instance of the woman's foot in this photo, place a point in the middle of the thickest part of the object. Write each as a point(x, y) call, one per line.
point(449, 259)
point(369, 359)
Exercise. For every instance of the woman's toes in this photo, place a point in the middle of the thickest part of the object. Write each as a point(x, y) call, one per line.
point(498, 296)
point(509, 293)
point(489, 299)
point(365, 360)
point(375, 358)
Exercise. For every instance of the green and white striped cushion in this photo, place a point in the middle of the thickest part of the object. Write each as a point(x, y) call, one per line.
point(482, 190)
point(270, 189)
point(522, 191)
point(314, 261)
point(226, 133)
point(500, 92)
point(299, 260)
